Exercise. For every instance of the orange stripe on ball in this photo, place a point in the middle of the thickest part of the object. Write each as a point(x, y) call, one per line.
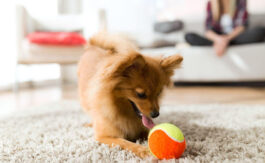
point(163, 147)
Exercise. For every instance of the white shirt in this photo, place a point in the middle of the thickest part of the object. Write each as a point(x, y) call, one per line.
point(226, 23)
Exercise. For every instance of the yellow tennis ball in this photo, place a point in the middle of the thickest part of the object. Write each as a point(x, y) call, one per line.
point(166, 141)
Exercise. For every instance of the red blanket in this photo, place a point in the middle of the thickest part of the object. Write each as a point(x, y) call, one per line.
point(56, 38)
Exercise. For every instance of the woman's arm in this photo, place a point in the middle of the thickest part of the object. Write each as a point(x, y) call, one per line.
point(238, 30)
point(211, 35)
point(241, 20)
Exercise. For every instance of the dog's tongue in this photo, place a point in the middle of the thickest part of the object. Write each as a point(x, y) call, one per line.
point(147, 122)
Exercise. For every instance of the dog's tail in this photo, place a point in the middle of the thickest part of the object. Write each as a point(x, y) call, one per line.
point(113, 43)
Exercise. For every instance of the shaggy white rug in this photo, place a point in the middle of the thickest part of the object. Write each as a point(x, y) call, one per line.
point(54, 133)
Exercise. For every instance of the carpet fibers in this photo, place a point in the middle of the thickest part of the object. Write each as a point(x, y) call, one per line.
point(54, 133)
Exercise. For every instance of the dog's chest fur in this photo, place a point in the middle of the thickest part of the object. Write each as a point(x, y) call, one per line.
point(129, 123)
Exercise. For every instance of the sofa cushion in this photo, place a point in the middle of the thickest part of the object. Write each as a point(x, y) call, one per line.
point(58, 23)
point(56, 38)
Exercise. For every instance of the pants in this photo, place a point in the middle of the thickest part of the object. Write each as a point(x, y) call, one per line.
point(253, 35)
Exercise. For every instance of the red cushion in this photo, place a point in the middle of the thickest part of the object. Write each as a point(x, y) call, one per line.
point(56, 38)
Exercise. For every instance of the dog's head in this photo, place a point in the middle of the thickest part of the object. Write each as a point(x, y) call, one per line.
point(141, 82)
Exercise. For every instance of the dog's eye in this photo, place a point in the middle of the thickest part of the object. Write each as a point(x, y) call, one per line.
point(141, 95)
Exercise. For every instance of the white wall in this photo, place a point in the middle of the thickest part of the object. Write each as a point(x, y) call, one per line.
point(70, 6)
point(256, 6)
point(40, 7)
point(7, 43)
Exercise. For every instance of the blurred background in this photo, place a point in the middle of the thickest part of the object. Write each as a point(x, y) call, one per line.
point(42, 40)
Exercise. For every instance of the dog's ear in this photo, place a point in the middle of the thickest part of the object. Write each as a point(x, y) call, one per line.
point(170, 63)
point(133, 63)
point(126, 64)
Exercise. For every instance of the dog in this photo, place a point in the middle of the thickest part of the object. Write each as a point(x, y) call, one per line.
point(120, 89)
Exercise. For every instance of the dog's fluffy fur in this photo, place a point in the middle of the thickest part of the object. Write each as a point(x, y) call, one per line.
point(118, 87)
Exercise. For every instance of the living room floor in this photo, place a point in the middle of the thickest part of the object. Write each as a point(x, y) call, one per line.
point(31, 97)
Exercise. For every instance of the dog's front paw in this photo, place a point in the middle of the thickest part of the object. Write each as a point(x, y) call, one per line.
point(143, 152)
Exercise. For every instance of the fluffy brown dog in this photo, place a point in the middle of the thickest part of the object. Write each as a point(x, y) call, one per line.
point(120, 90)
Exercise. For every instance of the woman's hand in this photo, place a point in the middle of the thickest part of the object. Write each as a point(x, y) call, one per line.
point(220, 44)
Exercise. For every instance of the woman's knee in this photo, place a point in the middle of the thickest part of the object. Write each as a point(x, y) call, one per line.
point(252, 35)
point(259, 28)
point(258, 31)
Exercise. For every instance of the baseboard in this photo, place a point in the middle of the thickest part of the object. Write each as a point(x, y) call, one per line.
point(33, 84)
point(222, 84)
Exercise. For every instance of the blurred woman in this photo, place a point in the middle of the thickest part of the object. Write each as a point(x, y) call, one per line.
point(226, 24)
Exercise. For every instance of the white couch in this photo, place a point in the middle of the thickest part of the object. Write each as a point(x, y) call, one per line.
point(201, 64)
point(29, 53)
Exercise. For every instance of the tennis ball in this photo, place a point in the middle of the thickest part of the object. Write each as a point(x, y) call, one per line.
point(166, 141)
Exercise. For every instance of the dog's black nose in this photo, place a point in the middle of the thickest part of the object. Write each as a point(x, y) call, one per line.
point(154, 114)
